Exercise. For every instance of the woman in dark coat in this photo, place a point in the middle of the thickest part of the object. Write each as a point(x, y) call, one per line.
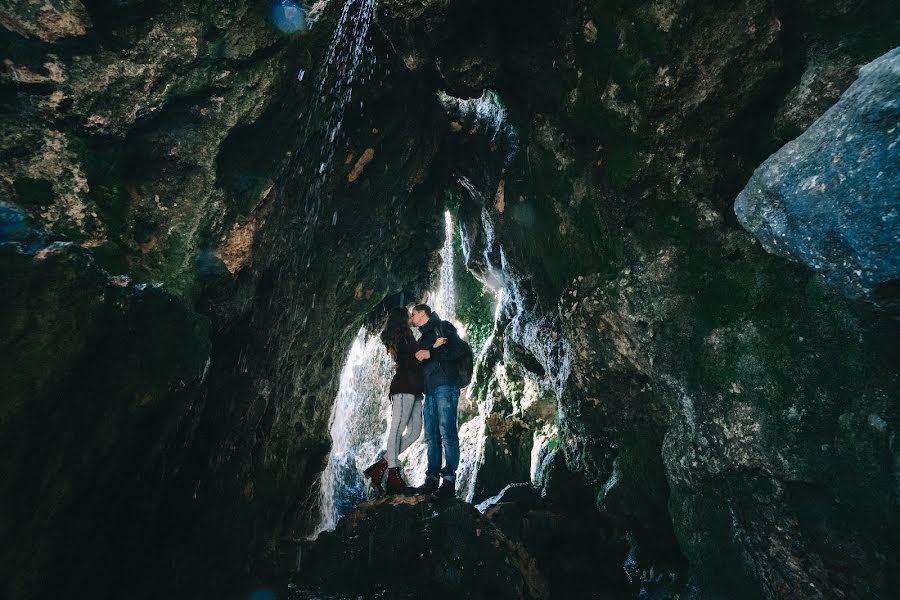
point(407, 389)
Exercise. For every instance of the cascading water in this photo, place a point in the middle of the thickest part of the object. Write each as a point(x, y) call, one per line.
point(347, 52)
point(357, 426)
point(444, 302)
point(349, 61)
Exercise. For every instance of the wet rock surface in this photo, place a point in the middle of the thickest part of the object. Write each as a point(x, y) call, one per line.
point(576, 547)
point(187, 93)
point(702, 385)
point(122, 126)
point(517, 544)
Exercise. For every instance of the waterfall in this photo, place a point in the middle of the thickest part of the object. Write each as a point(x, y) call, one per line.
point(444, 298)
point(348, 61)
point(348, 53)
point(357, 426)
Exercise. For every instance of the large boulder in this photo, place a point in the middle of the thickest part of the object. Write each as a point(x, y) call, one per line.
point(831, 198)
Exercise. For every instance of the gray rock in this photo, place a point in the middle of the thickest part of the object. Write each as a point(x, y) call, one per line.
point(831, 198)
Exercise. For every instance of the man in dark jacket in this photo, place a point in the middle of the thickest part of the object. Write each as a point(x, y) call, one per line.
point(439, 349)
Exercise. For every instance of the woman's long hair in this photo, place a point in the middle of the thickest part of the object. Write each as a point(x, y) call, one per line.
point(397, 330)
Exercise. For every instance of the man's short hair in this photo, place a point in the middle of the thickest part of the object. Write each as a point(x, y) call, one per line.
point(423, 308)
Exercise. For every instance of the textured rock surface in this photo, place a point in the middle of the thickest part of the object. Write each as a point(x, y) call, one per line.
point(724, 405)
point(416, 547)
point(831, 198)
point(574, 546)
point(729, 418)
point(520, 410)
point(98, 397)
point(130, 140)
point(182, 92)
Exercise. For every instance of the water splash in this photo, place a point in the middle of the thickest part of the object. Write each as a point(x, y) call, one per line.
point(348, 53)
point(358, 424)
point(290, 247)
point(348, 62)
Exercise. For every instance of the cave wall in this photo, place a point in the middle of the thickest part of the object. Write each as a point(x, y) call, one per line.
point(99, 393)
point(124, 125)
point(719, 404)
point(155, 163)
point(726, 405)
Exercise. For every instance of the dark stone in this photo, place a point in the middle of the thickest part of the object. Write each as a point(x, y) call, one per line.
point(209, 266)
point(418, 547)
point(99, 394)
point(575, 546)
point(831, 198)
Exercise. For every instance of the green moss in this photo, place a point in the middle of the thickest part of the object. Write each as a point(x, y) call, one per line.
point(558, 250)
point(70, 230)
point(101, 161)
point(474, 303)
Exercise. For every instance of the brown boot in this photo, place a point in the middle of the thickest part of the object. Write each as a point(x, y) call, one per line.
point(395, 483)
point(376, 472)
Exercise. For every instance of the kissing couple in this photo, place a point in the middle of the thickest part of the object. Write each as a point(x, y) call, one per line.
point(425, 387)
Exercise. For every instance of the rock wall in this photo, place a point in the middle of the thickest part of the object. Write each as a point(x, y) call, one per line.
point(124, 125)
point(99, 399)
point(726, 405)
point(829, 199)
point(169, 144)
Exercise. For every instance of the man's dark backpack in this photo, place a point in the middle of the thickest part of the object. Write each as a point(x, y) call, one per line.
point(465, 364)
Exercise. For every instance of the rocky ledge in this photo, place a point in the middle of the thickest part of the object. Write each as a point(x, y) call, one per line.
point(516, 545)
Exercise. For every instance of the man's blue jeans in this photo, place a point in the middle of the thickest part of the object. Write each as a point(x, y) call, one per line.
point(439, 413)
